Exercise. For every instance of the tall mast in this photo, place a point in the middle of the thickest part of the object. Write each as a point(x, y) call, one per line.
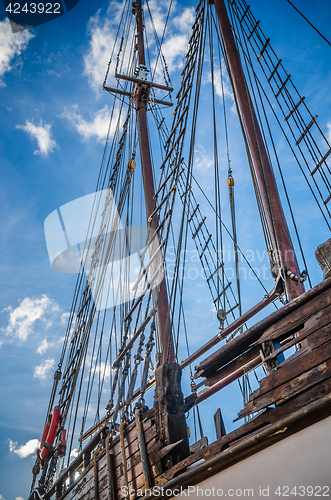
point(141, 99)
point(264, 173)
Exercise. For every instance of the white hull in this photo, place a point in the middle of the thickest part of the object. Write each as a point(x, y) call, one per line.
point(302, 460)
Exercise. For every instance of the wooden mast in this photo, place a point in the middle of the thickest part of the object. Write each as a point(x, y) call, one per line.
point(168, 398)
point(264, 173)
point(140, 100)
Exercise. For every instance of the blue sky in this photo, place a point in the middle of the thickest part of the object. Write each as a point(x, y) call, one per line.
point(53, 121)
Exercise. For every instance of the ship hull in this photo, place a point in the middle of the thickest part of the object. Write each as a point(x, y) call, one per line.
point(298, 465)
point(283, 450)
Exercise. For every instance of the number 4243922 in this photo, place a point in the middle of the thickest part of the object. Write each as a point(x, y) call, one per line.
point(34, 8)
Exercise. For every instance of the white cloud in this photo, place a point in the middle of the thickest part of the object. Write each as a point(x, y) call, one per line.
point(19, 498)
point(328, 134)
point(11, 46)
point(2, 498)
point(103, 369)
point(102, 38)
point(177, 34)
point(43, 347)
point(44, 369)
point(175, 45)
point(218, 81)
point(174, 48)
point(202, 160)
point(97, 368)
point(23, 318)
point(102, 32)
point(24, 450)
point(97, 126)
point(64, 318)
point(74, 453)
point(43, 135)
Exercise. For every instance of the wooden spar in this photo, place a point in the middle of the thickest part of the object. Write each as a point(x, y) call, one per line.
point(142, 450)
point(145, 82)
point(209, 391)
point(140, 100)
point(268, 299)
point(263, 169)
point(238, 346)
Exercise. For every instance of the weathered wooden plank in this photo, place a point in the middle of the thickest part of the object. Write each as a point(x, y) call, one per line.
point(290, 389)
point(315, 337)
point(135, 470)
point(233, 366)
point(102, 466)
point(104, 495)
point(102, 485)
point(219, 424)
point(152, 450)
point(254, 425)
point(84, 489)
point(270, 416)
point(131, 445)
point(136, 483)
point(240, 344)
point(293, 369)
point(301, 315)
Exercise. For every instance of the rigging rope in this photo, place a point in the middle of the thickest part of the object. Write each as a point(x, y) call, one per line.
point(258, 85)
point(317, 31)
point(292, 112)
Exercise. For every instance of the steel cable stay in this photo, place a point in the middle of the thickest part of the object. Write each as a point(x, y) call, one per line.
point(265, 226)
point(303, 126)
point(230, 182)
point(265, 290)
point(159, 44)
point(257, 191)
point(221, 223)
point(290, 207)
point(228, 232)
point(182, 231)
point(284, 186)
point(100, 344)
point(208, 265)
point(124, 10)
point(259, 88)
point(69, 422)
point(182, 195)
point(218, 228)
point(261, 186)
point(280, 86)
point(176, 155)
point(270, 249)
point(294, 108)
point(185, 196)
point(161, 127)
point(310, 24)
